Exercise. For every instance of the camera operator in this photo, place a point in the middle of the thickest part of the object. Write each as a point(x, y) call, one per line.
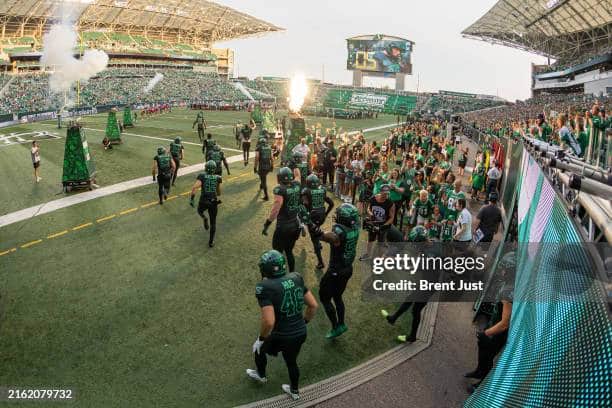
point(380, 217)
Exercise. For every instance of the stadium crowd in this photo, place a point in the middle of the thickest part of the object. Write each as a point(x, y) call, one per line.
point(572, 121)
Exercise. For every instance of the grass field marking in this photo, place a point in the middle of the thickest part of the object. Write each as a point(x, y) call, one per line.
point(110, 217)
point(172, 197)
point(8, 251)
point(29, 244)
point(57, 234)
point(147, 205)
point(78, 227)
point(184, 193)
point(131, 210)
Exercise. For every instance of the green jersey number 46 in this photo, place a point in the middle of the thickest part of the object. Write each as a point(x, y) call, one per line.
point(293, 299)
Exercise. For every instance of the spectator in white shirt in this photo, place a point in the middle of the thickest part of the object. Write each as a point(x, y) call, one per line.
point(464, 222)
point(302, 149)
point(35, 154)
point(493, 176)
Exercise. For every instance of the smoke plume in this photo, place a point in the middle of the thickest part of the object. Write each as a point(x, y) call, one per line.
point(158, 77)
point(58, 54)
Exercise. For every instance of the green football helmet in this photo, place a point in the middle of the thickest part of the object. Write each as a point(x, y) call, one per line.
point(216, 148)
point(210, 167)
point(312, 181)
point(177, 140)
point(297, 157)
point(285, 175)
point(262, 140)
point(161, 150)
point(347, 215)
point(396, 44)
point(272, 264)
point(417, 234)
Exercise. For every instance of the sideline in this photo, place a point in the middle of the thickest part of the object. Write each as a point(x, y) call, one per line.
point(64, 202)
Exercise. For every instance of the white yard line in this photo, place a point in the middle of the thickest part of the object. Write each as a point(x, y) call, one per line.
point(64, 202)
point(68, 201)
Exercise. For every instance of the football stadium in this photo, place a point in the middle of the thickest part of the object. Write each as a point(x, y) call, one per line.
point(174, 234)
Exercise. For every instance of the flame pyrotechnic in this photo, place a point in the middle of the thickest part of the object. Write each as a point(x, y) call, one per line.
point(297, 93)
point(58, 53)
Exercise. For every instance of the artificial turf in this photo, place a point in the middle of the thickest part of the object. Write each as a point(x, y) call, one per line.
point(136, 310)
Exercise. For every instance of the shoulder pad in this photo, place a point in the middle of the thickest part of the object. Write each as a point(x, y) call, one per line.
point(278, 190)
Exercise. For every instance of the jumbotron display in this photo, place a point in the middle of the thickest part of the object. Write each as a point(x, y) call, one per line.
point(379, 53)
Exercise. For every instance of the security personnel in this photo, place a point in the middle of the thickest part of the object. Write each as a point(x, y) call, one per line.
point(217, 155)
point(314, 198)
point(210, 185)
point(281, 297)
point(176, 150)
point(163, 168)
point(201, 122)
point(264, 163)
point(343, 240)
point(285, 211)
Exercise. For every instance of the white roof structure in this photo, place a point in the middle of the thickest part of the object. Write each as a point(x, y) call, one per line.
point(200, 21)
point(561, 29)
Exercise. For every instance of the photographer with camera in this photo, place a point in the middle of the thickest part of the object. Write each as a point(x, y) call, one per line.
point(380, 217)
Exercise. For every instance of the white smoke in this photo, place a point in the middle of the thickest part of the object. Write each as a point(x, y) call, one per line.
point(58, 54)
point(158, 77)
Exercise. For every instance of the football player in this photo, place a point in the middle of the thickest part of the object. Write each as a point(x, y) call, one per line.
point(176, 150)
point(210, 185)
point(285, 211)
point(264, 163)
point(201, 122)
point(281, 297)
point(314, 198)
point(343, 239)
point(163, 167)
point(217, 155)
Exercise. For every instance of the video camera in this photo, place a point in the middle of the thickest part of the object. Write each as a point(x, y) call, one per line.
point(371, 225)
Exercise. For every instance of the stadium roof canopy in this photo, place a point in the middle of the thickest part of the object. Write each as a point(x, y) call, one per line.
point(561, 29)
point(199, 20)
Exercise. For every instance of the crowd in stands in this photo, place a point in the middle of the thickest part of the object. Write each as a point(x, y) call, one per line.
point(572, 121)
point(30, 92)
point(458, 104)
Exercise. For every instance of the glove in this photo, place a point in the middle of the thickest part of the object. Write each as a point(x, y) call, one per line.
point(191, 202)
point(266, 226)
point(257, 345)
point(317, 232)
point(219, 202)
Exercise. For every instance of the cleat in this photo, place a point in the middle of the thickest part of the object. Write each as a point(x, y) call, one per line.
point(253, 374)
point(265, 198)
point(474, 374)
point(341, 329)
point(295, 395)
point(384, 313)
point(332, 334)
point(211, 244)
point(406, 339)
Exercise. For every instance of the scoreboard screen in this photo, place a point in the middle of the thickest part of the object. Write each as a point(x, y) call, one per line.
point(379, 55)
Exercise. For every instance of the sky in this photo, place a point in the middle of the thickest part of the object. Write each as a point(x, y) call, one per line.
point(314, 43)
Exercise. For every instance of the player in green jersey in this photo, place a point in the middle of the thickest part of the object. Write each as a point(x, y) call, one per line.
point(314, 198)
point(285, 210)
point(281, 297)
point(264, 163)
point(163, 168)
point(210, 185)
point(343, 239)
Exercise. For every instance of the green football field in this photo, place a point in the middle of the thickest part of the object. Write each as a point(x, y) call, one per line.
point(122, 300)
